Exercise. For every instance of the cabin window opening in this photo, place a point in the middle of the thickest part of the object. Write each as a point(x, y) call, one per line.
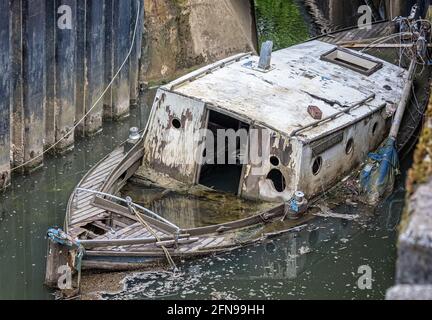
point(176, 123)
point(278, 179)
point(274, 161)
point(317, 165)
point(353, 61)
point(224, 171)
point(374, 128)
point(349, 146)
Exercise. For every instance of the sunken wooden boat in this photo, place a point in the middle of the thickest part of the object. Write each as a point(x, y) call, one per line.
point(321, 107)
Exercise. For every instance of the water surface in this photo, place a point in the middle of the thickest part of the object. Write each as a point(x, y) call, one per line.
point(320, 261)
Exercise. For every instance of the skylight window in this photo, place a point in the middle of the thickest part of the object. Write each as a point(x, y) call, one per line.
point(353, 61)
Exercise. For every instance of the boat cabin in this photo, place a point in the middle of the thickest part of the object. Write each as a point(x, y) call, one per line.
point(302, 124)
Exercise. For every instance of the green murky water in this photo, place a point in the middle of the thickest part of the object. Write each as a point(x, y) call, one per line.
point(276, 19)
point(288, 22)
point(35, 203)
point(321, 261)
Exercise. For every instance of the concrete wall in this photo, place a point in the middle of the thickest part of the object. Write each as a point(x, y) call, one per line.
point(180, 35)
point(5, 94)
point(53, 72)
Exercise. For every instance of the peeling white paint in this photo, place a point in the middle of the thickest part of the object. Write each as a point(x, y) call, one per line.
point(278, 101)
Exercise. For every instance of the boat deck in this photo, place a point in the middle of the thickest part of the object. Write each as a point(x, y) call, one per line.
point(81, 209)
point(84, 216)
point(113, 236)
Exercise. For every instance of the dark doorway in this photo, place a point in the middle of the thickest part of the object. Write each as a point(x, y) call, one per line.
point(224, 176)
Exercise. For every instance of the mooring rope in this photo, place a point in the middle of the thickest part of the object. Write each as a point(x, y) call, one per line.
point(71, 131)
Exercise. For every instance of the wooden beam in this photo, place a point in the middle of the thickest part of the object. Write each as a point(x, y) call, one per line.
point(380, 45)
point(183, 239)
point(118, 209)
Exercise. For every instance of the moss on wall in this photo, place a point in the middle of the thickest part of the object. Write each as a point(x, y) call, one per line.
point(280, 21)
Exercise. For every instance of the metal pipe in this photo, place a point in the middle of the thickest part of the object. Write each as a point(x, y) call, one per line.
point(131, 203)
point(345, 110)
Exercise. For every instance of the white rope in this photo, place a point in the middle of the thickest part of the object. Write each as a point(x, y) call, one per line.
point(71, 131)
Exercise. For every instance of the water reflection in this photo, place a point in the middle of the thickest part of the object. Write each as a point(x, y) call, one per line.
point(288, 22)
point(192, 211)
point(321, 261)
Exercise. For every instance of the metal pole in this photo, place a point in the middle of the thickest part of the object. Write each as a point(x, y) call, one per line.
point(404, 101)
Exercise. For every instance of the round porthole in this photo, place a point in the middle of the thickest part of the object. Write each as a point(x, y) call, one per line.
point(374, 128)
point(278, 180)
point(317, 165)
point(349, 146)
point(274, 161)
point(176, 123)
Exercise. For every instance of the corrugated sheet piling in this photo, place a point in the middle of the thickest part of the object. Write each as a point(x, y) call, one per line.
point(56, 59)
point(136, 51)
point(4, 94)
point(51, 18)
point(94, 65)
point(34, 81)
point(64, 75)
point(121, 44)
point(15, 78)
point(109, 56)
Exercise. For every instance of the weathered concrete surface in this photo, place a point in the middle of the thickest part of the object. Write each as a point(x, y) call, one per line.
point(50, 47)
point(410, 292)
point(34, 81)
point(65, 79)
point(109, 58)
point(94, 65)
point(80, 64)
point(414, 264)
point(180, 35)
point(16, 84)
point(4, 95)
point(136, 51)
point(121, 44)
point(90, 65)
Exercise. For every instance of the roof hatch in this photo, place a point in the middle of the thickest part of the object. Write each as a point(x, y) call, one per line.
point(352, 60)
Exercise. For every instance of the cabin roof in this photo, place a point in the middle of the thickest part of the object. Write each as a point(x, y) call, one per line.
point(279, 99)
